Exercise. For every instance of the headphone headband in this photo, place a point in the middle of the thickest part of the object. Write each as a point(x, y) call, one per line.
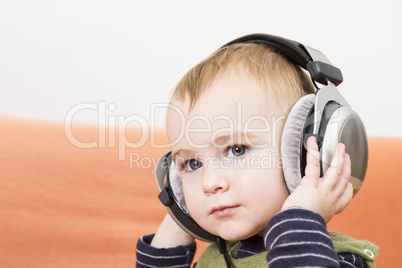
point(315, 62)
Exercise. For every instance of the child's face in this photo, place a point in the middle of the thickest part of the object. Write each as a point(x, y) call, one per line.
point(228, 154)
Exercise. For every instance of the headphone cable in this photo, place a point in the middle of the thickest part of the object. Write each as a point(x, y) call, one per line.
point(221, 243)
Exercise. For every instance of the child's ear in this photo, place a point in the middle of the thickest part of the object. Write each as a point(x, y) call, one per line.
point(291, 143)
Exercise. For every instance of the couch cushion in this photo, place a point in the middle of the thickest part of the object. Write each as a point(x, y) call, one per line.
point(66, 206)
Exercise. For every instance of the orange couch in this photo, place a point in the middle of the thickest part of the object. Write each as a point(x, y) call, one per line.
point(65, 206)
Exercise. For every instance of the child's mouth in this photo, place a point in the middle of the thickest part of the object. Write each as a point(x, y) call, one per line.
point(223, 211)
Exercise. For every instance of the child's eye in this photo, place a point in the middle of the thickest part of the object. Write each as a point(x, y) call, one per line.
point(192, 164)
point(237, 150)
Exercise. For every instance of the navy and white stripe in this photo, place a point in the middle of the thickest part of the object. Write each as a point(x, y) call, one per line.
point(251, 246)
point(148, 256)
point(349, 260)
point(298, 238)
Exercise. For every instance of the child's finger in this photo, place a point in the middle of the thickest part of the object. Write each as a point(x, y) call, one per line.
point(345, 176)
point(346, 197)
point(313, 159)
point(335, 170)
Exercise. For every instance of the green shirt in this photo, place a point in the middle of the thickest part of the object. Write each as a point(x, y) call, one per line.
point(211, 257)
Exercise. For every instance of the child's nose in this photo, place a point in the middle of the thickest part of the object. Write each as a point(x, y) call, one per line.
point(214, 181)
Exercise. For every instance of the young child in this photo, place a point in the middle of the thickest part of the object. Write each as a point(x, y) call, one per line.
point(235, 104)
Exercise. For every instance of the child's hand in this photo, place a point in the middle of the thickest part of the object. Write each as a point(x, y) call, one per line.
point(328, 195)
point(170, 235)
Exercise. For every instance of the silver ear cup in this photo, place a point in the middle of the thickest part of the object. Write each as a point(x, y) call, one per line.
point(177, 186)
point(345, 126)
point(291, 140)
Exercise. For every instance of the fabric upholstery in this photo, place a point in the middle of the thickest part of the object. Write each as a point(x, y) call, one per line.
point(66, 206)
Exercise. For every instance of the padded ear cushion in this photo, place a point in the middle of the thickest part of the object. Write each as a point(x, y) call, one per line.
point(171, 195)
point(291, 140)
point(176, 184)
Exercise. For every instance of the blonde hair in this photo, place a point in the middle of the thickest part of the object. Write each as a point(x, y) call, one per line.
point(286, 81)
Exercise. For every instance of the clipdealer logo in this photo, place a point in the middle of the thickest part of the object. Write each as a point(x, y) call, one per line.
point(112, 129)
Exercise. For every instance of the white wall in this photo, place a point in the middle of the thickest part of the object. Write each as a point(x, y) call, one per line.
point(55, 55)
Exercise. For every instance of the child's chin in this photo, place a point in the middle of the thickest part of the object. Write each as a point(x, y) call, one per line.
point(232, 236)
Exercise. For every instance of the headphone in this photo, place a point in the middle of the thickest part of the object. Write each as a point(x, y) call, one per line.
point(326, 115)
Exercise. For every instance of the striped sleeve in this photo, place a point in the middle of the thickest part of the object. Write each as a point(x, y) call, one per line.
point(349, 260)
point(298, 237)
point(148, 256)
